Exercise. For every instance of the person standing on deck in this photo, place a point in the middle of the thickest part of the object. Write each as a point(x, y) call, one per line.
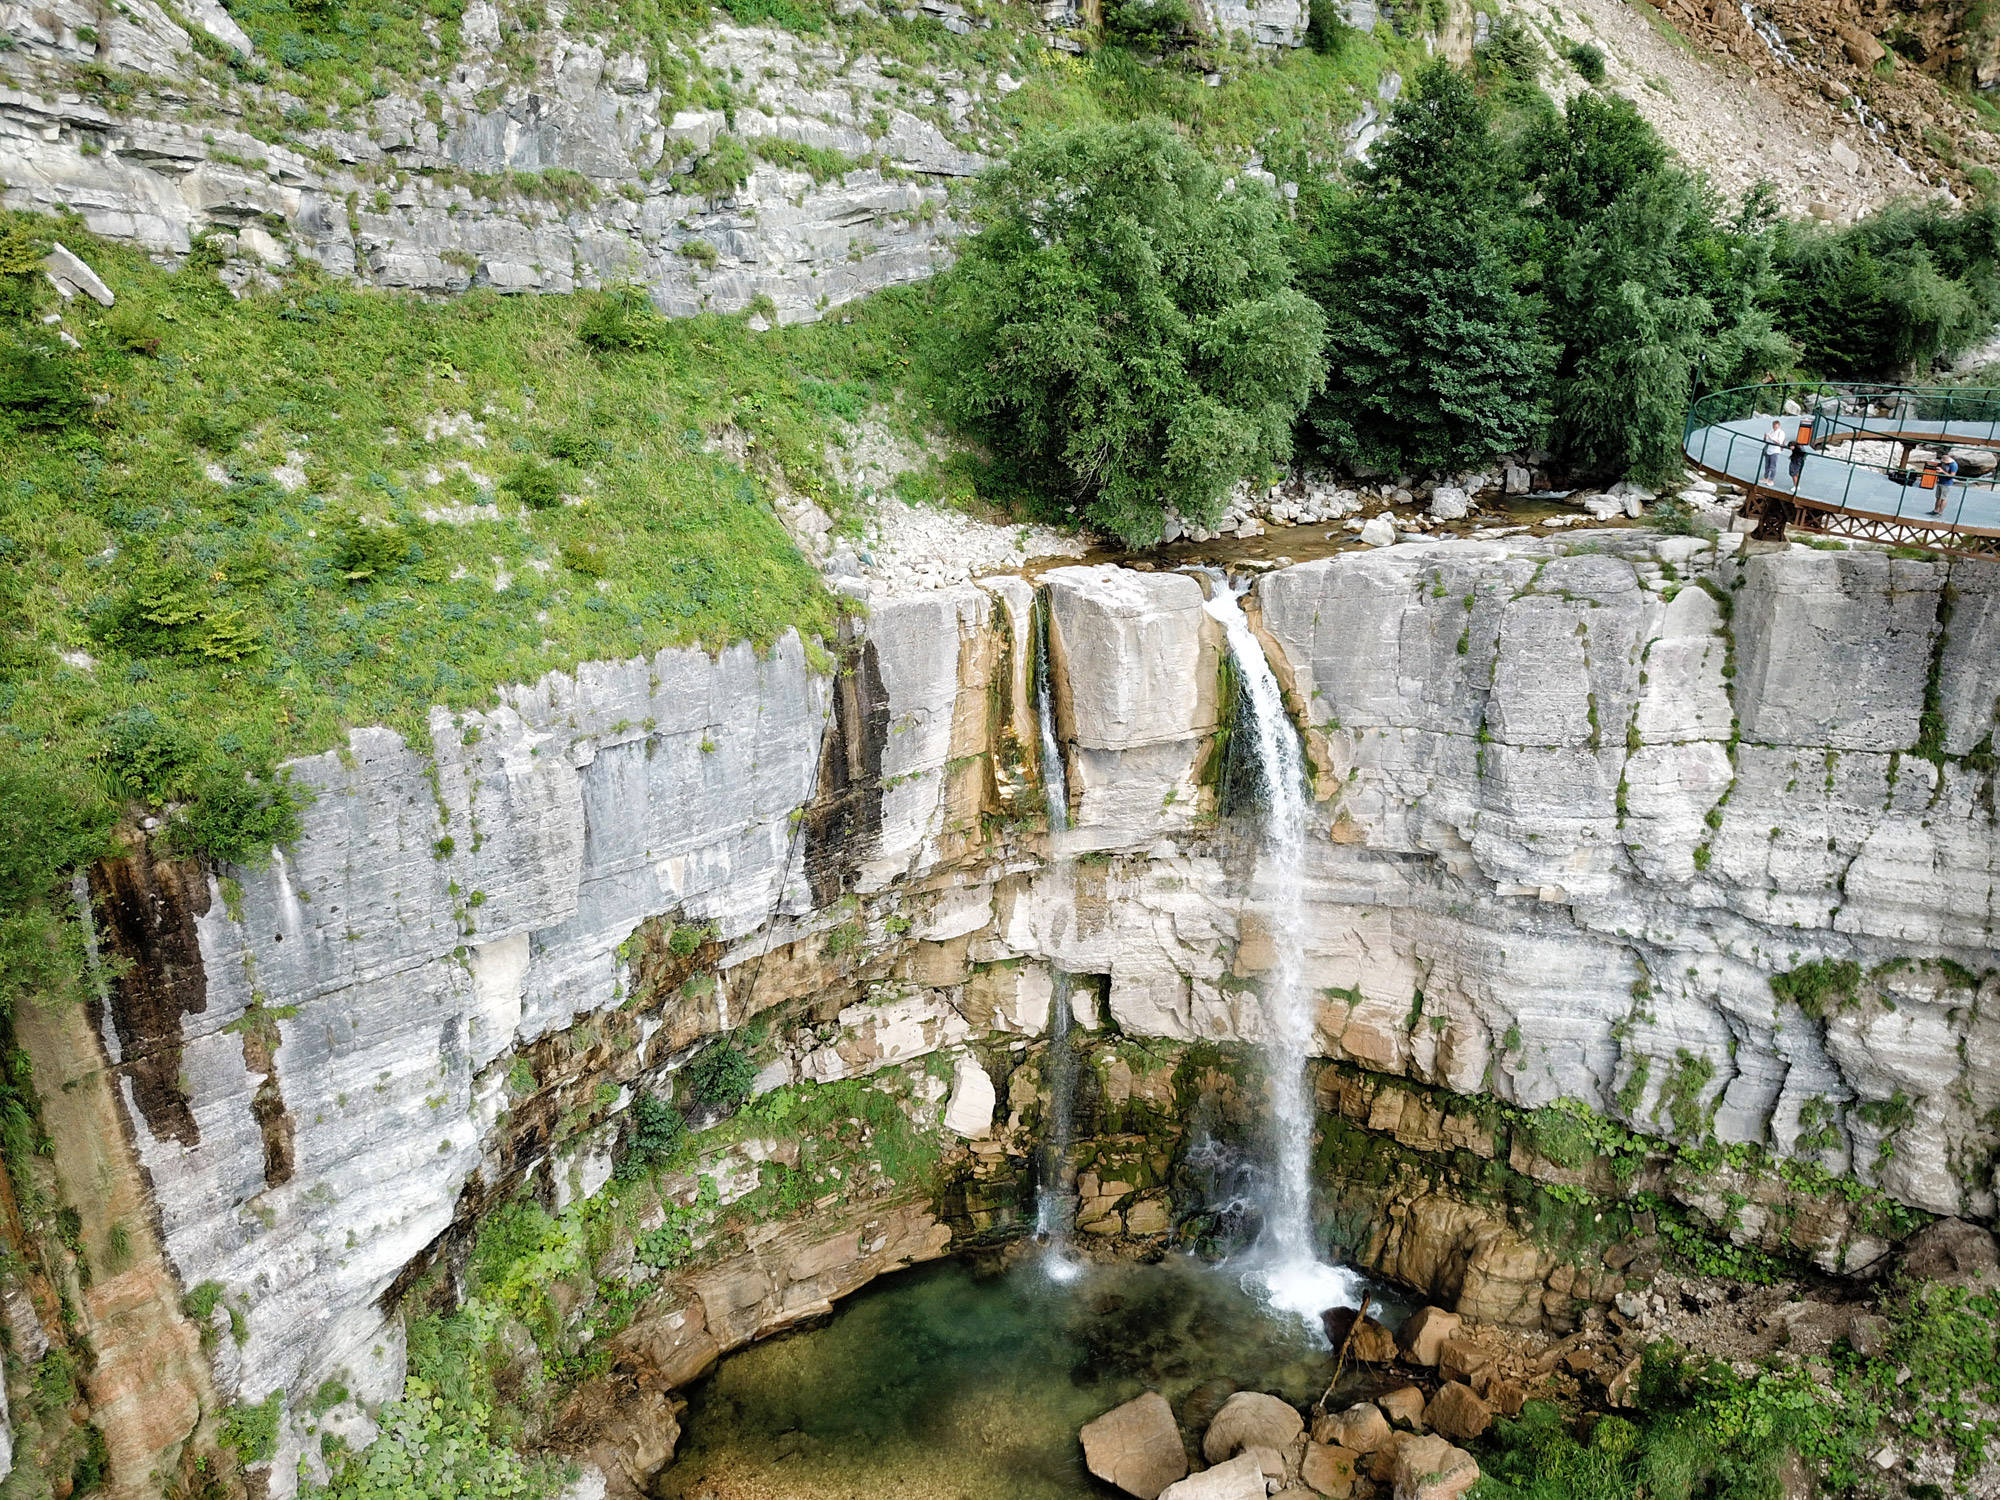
point(1947, 472)
point(1774, 444)
point(1800, 448)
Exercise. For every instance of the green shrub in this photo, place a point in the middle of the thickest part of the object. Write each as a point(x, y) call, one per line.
point(722, 171)
point(1147, 25)
point(1588, 61)
point(537, 486)
point(22, 248)
point(148, 756)
point(237, 819)
point(720, 1076)
point(1821, 987)
point(51, 822)
point(134, 329)
point(1327, 30)
point(653, 1134)
point(1122, 332)
point(366, 547)
point(621, 322)
point(585, 559)
point(39, 386)
point(251, 1432)
point(159, 612)
point(1511, 47)
point(211, 431)
point(819, 163)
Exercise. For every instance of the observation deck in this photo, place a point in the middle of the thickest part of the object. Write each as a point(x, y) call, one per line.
point(1872, 470)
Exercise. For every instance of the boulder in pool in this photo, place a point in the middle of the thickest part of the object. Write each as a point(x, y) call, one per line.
point(1242, 1478)
point(1136, 1446)
point(1360, 1338)
point(1251, 1419)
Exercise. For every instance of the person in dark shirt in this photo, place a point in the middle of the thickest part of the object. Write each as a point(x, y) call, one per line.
point(1947, 472)
point(1800, 448)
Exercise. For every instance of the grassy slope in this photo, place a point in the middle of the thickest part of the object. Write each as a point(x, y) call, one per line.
point(660, 542)
point(275, 650)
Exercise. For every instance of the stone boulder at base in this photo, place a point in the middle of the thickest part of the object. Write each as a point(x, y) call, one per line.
point(1136, 1446)
point(1429, 1468)
point(1405, 1406)
point(1457, 1413)
point(1329, 1470)
point(1250, 1419)
point(1380, 531)
point(1363, 1339)
point(1951, 1250)
point(1242, 1478)
point(1449, 503)
point(1362, 1428)
point(1424, 1333)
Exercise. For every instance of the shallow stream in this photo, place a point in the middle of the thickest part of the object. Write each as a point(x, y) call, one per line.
point(965, 1381)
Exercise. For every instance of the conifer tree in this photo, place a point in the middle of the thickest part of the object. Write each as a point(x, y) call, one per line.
point(1434, 359)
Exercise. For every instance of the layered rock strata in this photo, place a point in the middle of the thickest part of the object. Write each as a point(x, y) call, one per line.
point(1577, 806)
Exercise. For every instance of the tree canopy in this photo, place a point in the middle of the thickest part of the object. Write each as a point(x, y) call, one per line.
point(1123, 330)
point(1434, 359)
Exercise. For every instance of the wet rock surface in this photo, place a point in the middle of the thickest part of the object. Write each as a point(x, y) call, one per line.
point(1532, 802)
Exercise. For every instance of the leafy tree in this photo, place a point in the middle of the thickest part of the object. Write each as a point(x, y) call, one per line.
point(1434, 359)
point(1890, 295)
point(1123, 331)
point(1643, 284)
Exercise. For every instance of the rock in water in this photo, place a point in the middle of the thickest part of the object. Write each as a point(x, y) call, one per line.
point(1250, 1419)
point(1457, 1413)
point(1424, 1333)
point(1449, 503)
point(1369, 1342)
point(1136, 1446)
point(1429, 1468)
point(1242, 1478)
point(1379, 531)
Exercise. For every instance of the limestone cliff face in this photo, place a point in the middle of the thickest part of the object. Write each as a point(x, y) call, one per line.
point(1576, 809)
point(430, 196)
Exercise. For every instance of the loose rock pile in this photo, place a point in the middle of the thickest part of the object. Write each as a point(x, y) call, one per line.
point(1401, 1445)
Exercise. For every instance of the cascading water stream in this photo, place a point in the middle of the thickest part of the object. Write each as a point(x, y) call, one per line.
point(1055, 1194)
point(1055, 779)
point(1288, 1267)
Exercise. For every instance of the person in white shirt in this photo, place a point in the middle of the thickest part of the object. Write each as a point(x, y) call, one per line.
point(1774, 446)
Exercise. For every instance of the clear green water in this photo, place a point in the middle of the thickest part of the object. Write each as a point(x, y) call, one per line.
point(962, 1382)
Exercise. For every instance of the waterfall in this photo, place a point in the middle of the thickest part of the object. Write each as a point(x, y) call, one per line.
point(1288, 1262)
point(1055, 782)
point(1055, 1192)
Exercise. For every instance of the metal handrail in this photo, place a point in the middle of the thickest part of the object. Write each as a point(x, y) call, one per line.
point(1725, 435)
